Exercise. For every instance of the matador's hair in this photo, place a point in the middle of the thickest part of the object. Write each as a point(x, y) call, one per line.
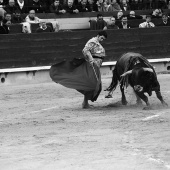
point(102, 33)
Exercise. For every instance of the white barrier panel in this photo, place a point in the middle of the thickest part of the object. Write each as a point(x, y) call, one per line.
point(73, 23)
point(30, 75)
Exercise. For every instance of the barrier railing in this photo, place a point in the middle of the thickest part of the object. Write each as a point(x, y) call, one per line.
point(110, 63)
point(32, 75)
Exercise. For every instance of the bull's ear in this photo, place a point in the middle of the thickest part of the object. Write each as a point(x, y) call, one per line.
point(148, 69)
point(126, 73)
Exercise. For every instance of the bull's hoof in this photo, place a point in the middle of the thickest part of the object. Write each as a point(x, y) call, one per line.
point(109, 96)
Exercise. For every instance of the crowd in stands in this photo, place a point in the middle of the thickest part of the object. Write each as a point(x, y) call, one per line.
point(122, 21)
point(75, 6)
point(24, 12)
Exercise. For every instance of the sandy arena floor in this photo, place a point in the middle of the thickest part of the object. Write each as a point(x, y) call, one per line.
point(44, 128)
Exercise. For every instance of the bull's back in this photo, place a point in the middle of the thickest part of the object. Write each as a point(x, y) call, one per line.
point(124, 60)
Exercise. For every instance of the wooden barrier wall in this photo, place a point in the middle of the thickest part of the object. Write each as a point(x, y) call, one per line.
point(30, 50)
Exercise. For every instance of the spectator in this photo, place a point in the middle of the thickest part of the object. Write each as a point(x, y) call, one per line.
point(102, 5)
point(3, 2)
point(38, 6)
point(119, 17)
point(132, 16)
point(156, 14)
point(49, 2)
point(168, 5)
point(92, 7)
point(43, 28)
point(56, 26)
point(22, 6)
point(111, 24)
point(106, 5)
point(162, 4)
point(147, 23)
point(3, 28)
point(26, 29)
point(147, 4)
point(155, 4)
point(17, 18)
point(134, 4)
point(114, 6)
point(57, 8)
point(165, 20)
point(101, 23)
point(140, 4)
point(98, 24)
point(2, 11)
point(64, 2)
point(7, 19)
point(46, 6)
point(71, 8)
point(124, 5)
point(124, 23)
point(82, 6)
point(11, 7)
point(31, 18)
point(76, 2)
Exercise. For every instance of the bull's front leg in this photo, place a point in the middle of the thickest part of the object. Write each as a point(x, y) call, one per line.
point(138, 99)
point(124, 101)
point(145, 99)
point(159, 96)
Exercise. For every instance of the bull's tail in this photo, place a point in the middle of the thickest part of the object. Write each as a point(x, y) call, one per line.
point(113, 84)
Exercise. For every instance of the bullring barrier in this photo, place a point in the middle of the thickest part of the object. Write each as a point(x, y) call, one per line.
point(32, 75)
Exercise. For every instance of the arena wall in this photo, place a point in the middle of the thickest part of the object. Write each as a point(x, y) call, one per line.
point(32, 50)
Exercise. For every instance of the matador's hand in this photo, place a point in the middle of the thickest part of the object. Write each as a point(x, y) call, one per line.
point(91, 62)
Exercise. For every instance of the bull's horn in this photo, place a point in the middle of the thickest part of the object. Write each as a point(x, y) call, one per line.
point(148, 69)
point(126, 73)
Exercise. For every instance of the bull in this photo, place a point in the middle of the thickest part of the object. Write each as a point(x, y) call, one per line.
point(135, 70)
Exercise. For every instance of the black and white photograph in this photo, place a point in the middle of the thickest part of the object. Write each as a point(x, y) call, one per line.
point(85, 85)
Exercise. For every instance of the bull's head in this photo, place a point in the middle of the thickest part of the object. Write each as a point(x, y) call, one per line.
point(140, 79)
